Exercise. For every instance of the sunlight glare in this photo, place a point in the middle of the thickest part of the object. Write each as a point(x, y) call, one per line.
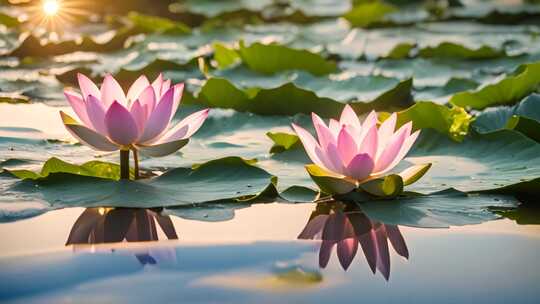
point(51, 7)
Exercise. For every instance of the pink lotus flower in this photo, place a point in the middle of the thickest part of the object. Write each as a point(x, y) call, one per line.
point(112, 120)
point(358, 152)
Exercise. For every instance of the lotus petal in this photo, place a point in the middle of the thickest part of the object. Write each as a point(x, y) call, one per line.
point(393, 148)
point(369, 143)
point(121, 126)
point(137, 87)
point(334, 159)
point(157, 84)
point(309, 143)
point(78, 105)
point(148, 99)
point(178, 90)
point(407, 145)
point(187, 127)
point(88, 87)
point(360, 167)
point(159, 119)
point(96, 114)
point(335, 127)
point(349, 117)
point(86, 135)
point(139, 114)
point(370, 120)
point(346, 145)
point(323, 133)
point(162, 149)
point(111, 91)
point(386, 130)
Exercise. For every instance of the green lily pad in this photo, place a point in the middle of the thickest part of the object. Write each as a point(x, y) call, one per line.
point(369, 14)
point(505, 92)
point(55, 165)
point(482, 162)
point(32, 47)
point(273, 58)
point(8, 20)
point(437, 210)
point(283, 141)
point(454, 50)
point(454, 122)
point(523, 117)
point(289, 99)
point(154, 24)
point(226, 178)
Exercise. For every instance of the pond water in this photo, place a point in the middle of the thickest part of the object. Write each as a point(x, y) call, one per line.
point(234, 217)
point(257, 257)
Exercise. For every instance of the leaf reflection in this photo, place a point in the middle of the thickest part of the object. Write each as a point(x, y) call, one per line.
point(345, 226)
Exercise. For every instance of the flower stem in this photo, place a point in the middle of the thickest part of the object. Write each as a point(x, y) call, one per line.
point(136, 163)
point(124, 164)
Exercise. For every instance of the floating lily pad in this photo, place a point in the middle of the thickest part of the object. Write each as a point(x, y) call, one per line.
point(479, 163)
point(523, 117)
point(437, 210)
point(274, 58)
point(505, 92)
point(289, 99)
point(221, 179)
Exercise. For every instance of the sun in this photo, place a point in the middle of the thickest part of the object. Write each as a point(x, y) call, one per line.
point(51, 7)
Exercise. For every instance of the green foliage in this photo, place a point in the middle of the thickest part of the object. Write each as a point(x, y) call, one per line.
point(63, 184)
point(523, 117)
point(224, 56)
point(273, 58)
point(55, 165)
point(369, 14)
point(8, 20)
point(289, 99)
point(283, 141)
point(454, 121)
point(154, 24)
point(508, 91)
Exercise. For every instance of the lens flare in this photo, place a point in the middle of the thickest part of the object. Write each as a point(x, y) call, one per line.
point(51, 7)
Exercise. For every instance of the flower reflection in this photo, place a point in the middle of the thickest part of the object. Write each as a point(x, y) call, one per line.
point(346, 226)
point(111, 225)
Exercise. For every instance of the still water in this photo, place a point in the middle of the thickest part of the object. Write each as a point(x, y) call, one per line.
point(271, 253)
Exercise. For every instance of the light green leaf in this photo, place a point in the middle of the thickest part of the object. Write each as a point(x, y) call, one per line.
point(505, 92)
point(384, 187)
point(154, 24)
point(273, 58)
point(329, 182)
point(283, 141)
point(369, 14)
point(454, 122)
point(225, 56)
